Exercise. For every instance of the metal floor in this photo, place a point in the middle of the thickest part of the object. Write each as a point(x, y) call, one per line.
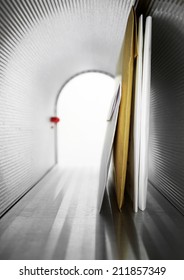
point(58, 219)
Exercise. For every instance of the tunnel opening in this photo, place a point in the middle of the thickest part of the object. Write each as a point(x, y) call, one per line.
point(82, 107)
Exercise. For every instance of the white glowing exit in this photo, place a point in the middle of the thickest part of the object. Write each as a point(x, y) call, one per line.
point(83, 108)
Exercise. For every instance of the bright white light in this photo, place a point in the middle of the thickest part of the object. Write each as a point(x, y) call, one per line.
point(83, 108)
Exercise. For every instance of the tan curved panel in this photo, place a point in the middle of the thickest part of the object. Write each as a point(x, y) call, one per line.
point(121, 143)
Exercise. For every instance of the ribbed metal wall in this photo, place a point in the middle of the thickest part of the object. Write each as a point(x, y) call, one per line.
point(26, 137)
point(166, 154)
point(42, 45)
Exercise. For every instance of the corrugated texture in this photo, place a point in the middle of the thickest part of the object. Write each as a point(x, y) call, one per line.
point(42, 45)
point(166, 153)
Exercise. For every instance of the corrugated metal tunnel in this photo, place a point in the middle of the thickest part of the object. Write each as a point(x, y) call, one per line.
point(44, 44)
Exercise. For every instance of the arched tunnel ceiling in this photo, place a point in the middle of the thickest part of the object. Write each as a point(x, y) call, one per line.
point(43, 43)
point(46, 42)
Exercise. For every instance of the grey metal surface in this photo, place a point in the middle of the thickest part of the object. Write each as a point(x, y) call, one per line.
point(166, 149)
point(58, 219)
point(42, 45)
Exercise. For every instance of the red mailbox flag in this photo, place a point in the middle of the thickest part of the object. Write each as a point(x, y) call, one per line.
point(54, 120)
